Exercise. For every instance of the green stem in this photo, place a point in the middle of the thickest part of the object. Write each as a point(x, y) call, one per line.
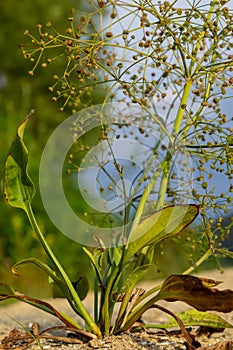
point(105, 315)
point(164, 181)
point(194, 72)
point(145, 195)
point(123, 308)
point(198, 262)
point(82, 310)
point(168, 157)
point(96, 299)
point(182, 106)
point(165, 164)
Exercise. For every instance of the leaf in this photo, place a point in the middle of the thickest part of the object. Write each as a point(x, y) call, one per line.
point(189, 289)
point(5, 289)
point(98, 255)
point(114, 255)
point(60, 283)
point(193, 291)
point(163, 224)
point(134, 276)
point(60, 288)
point(39, 264)
point(45, 306)
point(209, 282)
point(195, 318)
point(82, 287)
point(126, 285)
point(17, 185)
point(95, 264)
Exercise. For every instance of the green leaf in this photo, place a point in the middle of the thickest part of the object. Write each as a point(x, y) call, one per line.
point(136, 274)
point(163, 224)
point(43, 267)
point(82, 287)
point(98, 255)
point(60, 289)
point(114, 255)
point(195, 318)
point(6, 290)
point(126, 286)
point(95, 263)
point(17, 185)
point(133, 278)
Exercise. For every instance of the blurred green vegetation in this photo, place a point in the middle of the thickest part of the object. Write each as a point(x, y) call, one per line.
point(19, 93)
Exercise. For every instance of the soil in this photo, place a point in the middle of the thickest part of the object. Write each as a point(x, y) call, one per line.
point(18, 317)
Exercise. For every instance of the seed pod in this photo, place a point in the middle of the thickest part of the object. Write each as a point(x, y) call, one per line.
point(101, 3)
point(109, 34)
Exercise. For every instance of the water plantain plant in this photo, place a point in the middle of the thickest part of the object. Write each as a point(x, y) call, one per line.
point(126, 266)
point(167, 72)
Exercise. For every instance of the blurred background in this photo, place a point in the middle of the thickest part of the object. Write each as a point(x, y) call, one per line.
point(19, 93)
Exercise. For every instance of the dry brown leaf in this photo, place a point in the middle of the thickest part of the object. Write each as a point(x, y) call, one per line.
point(193, 291)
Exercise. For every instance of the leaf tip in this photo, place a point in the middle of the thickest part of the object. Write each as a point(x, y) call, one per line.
point(14, 271)
point(22, 125)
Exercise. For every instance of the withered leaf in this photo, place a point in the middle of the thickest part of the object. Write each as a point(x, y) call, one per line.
point(193, 291)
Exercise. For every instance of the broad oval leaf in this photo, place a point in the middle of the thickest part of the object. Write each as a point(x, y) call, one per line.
point(163, 224)
point(17, 185)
